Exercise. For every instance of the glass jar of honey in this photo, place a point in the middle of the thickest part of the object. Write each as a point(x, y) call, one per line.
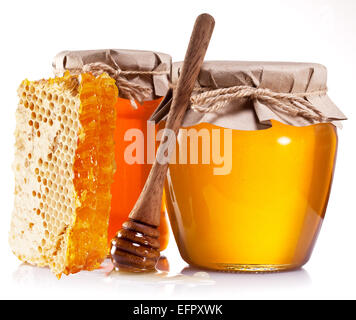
point(248, 186)
point(142, 78)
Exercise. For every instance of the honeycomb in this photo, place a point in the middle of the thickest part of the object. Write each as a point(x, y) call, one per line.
point(64, 165)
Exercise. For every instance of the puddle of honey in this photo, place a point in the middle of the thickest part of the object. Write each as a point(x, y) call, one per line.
point(162, 275)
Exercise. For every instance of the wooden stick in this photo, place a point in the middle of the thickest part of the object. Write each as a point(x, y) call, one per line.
point(136, 246)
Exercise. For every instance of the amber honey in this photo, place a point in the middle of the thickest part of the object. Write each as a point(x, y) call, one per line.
point(129, 179)
point(266, 214)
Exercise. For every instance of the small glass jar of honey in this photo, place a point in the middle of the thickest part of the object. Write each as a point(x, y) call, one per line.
point(253, 195)
point(130, 176)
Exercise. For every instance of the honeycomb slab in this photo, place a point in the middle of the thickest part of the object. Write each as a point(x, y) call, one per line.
point(64, 165)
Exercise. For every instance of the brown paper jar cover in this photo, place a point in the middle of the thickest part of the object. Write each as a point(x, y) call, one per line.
point(127, 60)
point(252, 114)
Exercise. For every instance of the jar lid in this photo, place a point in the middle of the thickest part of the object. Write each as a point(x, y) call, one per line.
point(148, 69)
point(247, 95)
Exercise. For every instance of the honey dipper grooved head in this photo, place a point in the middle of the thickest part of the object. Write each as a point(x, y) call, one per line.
point(135, 247)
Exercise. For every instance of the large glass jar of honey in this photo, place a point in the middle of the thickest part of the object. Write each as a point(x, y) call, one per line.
point(253, 195)
point(142, 78)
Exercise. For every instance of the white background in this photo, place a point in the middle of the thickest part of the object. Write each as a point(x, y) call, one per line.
point(323, 31)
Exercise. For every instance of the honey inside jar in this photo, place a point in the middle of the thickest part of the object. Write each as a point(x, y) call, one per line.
point(266, 214)
point(129, 179)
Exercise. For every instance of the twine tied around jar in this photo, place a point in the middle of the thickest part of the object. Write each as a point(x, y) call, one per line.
point(206, 100)
point(127, 89)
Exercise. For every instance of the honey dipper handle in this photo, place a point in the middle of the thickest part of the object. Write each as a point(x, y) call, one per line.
point(148, 206)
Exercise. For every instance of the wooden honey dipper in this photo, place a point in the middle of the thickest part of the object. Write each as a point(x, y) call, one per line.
point(135, 248)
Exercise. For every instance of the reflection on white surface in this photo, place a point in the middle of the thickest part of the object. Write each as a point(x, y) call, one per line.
point(121, 285)
point(189, 283)
point(256, 281)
